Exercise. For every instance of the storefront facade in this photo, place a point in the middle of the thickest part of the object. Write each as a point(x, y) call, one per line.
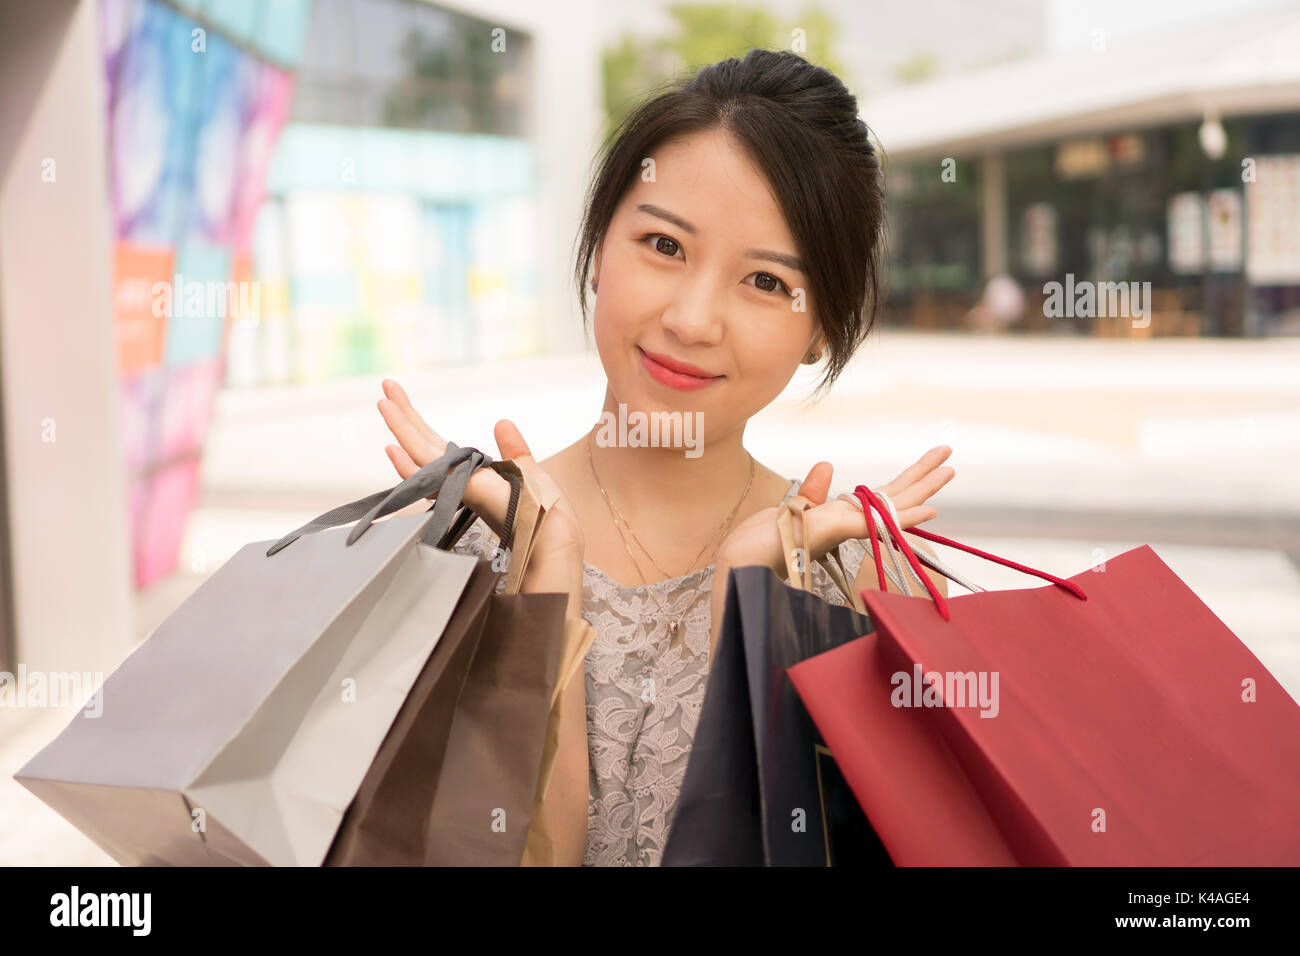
point(1212, 236)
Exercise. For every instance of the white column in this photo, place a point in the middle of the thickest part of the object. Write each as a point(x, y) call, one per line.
point(70, 552)
point(993, 216)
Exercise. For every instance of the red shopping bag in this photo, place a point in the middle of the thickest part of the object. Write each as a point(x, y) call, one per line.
point(1127, 725)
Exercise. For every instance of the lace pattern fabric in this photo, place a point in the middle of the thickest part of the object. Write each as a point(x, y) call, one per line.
point(644, 694)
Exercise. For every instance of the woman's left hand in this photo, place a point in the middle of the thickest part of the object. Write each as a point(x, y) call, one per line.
point(756, 541)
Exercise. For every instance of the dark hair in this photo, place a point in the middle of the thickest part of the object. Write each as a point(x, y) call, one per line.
point(800, 125)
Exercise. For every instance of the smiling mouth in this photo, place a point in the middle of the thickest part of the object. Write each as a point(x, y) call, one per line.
point(672, 377)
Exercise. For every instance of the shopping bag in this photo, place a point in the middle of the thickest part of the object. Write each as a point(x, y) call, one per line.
point(539, 846)
point(455, 779)
point(760, 788)
point(1129, 726)
point(482, 810)
point(240, 731)
point(483, 805)
point(385, 823)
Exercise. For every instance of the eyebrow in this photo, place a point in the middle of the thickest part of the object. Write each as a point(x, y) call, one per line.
point(790, 262)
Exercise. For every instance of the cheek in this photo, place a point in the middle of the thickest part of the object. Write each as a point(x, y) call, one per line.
point(634, 284)
point(615, 329)
point(628, 300)
point(770, 353)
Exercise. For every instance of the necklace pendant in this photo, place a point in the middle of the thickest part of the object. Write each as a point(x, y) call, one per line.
point(672, 628)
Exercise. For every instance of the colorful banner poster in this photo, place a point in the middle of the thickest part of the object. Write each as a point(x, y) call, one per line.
point(218, 126)
point(202, 297)
point(268, 93)
point(138, 272)
point(141, 395)
point(150, 127)
point(192, 121)
point(186, 409)
point(164, 507)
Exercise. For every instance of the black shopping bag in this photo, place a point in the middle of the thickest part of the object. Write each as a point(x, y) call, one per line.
point(761, 787)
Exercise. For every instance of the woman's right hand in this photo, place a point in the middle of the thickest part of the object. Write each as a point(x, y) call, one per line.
point(559, 542)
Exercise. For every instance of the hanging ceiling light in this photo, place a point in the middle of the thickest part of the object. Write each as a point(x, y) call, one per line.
point(1214, 141)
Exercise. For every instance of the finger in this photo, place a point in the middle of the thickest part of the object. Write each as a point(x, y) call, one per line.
point(818, 483)
point(401, 461)
point(397, 395)
point(911, 517)
point(836, 521)
point(416, 444)
point(920, 492)
point(510, 442)
point(931, 460)
point(905, 517)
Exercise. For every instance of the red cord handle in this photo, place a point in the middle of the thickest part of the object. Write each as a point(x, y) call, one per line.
point(870, 500)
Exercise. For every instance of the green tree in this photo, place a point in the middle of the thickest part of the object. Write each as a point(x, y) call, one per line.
point(917, 69)
point(703, 33)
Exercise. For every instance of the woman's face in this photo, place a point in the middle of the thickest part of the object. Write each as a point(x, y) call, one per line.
point(698, 268)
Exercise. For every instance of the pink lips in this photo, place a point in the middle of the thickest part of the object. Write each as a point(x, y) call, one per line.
point(674, 374)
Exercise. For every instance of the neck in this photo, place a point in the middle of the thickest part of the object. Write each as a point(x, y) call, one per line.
point(666, 484)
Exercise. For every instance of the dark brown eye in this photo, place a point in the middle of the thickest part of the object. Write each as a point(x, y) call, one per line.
point(670, 250)
point(767, 282)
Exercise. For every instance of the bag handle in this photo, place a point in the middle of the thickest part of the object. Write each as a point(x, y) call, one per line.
point(524, 515)
point(929, 560)
point(445, 476)
point(534, 504)
point(798, 567)
point(871, 501)
point(467, 516)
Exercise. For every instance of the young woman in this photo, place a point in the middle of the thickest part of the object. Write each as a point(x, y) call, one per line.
point(733, 230)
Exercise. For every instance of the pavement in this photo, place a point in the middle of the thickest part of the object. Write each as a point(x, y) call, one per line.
point(1067, 451)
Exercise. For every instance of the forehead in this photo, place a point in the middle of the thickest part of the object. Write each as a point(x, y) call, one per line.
point(709, 180)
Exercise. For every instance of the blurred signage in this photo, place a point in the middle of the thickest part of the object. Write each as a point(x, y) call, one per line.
point(1128, 149)
point(1224, 227)
point(1186, 218)
point(1038, 250)
point(1082, 158)
point(1095, 155)
point(1273, 221)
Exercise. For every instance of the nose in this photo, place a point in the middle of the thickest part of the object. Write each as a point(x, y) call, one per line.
point(696, 312)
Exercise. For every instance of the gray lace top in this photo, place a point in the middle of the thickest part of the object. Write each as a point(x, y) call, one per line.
point(644, 694)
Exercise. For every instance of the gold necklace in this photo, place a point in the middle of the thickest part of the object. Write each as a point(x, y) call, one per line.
point(620, 522)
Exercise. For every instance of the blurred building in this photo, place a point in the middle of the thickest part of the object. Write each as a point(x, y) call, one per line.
point(208, 193)
point(401, 228)
point(1172, 160)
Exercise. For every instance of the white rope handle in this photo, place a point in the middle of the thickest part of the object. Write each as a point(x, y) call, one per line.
point(924, 557)
point(899, 577)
